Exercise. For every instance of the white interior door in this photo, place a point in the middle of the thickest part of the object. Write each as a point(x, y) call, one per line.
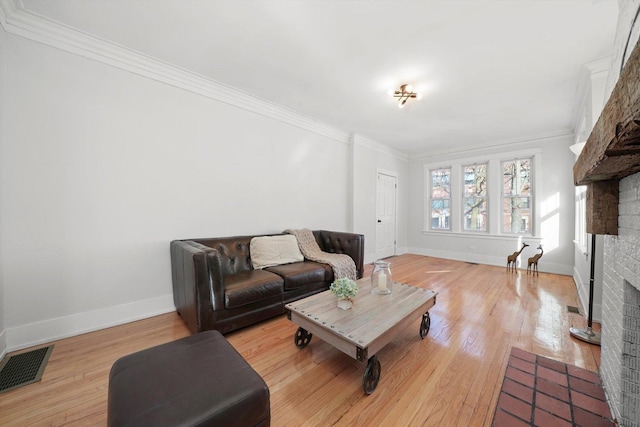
point(386, 215)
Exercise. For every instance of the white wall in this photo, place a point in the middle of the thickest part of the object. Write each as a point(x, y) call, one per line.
point(101, 168)
point(593, 93)
point(554, 210)
point(369, 158)
point(3, 344)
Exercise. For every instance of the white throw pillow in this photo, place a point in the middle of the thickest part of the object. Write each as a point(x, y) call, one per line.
point(267, 251)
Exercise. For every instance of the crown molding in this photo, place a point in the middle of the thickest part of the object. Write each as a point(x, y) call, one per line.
point(7, 7)
point(362, 140)
point(17, 20)
point(510, 144)
point(599, 65)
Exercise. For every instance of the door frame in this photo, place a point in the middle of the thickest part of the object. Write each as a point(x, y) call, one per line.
point(393, 174)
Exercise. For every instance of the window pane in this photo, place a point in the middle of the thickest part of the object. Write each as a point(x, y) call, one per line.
point(517, 177)
point(475, 180)
point(441, 184)
point(440, 199)
point(517, 214)
point(440, 214)
point(475, 214)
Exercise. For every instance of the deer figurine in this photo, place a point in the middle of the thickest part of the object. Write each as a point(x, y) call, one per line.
point(511, 259)
point(532, 263)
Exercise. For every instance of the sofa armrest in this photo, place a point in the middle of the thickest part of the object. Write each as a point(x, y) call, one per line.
point(198, 286)
point(339, 242)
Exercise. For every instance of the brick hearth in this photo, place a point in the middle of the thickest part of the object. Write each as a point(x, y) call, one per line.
point(537, 391)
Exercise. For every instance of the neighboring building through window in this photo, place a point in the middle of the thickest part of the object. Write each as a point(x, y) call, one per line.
point(516, 196)
point(474, 206)
point(440, 198)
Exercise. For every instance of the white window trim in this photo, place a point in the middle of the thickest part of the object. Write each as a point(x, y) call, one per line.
point(532, 196)
point(494, 195)
point(462, 197)
point(427, 200)
point(581, 237)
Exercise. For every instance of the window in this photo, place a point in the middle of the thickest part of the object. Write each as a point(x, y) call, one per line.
point(516, 196)
point(441, 199)
point(484, 195)
point(581, 217)
point(474, 206)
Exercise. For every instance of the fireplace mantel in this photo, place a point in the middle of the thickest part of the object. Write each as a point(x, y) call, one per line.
point(612, 151)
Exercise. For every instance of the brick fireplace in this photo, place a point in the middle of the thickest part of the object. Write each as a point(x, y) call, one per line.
point(620, 369)
point(610, 166)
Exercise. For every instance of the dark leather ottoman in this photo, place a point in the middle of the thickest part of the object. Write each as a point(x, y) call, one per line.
point(200, 380)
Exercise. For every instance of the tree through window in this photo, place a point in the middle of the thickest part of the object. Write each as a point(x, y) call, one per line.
point(441, 199)
point(475, 198)
point(516, 196)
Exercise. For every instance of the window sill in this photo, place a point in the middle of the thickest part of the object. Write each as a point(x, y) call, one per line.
point(481, 235)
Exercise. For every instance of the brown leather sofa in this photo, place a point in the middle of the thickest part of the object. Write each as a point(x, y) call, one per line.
point(216, 287)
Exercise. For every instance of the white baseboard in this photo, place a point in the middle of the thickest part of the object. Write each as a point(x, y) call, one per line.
point(471, 257)
point(62, 327)
point(498, 261)
point(583, 293)
point(3, 344)
point(370, 258)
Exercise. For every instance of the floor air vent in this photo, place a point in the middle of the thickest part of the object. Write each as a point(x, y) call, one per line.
point(24, 368)
point(572, 309)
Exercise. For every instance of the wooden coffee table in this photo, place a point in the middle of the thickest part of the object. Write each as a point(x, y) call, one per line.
point(360, 332)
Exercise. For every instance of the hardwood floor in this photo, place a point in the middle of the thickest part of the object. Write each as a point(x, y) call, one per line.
point(452, 377)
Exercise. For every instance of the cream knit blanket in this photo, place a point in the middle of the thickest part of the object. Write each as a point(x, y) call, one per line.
point(342, 265)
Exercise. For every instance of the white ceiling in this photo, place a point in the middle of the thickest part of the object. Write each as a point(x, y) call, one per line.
point(491, 71)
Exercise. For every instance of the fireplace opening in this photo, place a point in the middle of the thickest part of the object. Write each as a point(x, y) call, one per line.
point(630, 356)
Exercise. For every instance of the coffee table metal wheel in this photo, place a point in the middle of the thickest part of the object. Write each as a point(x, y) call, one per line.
point(425, 325)
point(302, 338)
point(371, 375)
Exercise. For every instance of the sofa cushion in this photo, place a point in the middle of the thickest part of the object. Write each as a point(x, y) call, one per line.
point(251, 286)
point(299, 274)
point(267, 251)
point(328, 272)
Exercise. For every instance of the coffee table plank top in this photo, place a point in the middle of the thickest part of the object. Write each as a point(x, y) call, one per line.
point(369, 325)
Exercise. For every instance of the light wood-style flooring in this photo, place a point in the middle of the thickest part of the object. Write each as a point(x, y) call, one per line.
point(451, 378)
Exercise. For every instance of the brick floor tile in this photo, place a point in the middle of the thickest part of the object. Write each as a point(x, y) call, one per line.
point(517, 390)
point(552, 364)
point(564, 395)
point(553, 405)
point(503, 419)
point(590, 404)
point(519, 376)
point(545, 419)
point(583, 418)
point(514, 406)
point(523, 365)
point(552, 376)
point(593, 377)
point(552, 389)
point(588, 388)
point(524, 355)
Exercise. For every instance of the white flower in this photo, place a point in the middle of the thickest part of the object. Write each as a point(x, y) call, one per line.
point(344, 288)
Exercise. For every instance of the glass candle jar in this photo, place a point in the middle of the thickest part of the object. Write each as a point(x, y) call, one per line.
point(381, 278)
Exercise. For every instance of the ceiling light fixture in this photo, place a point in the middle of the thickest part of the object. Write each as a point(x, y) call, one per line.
point(405, 92)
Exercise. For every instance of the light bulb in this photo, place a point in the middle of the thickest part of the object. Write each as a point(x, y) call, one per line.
point(401, 105)
point(409, 88)
point(418, 96)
